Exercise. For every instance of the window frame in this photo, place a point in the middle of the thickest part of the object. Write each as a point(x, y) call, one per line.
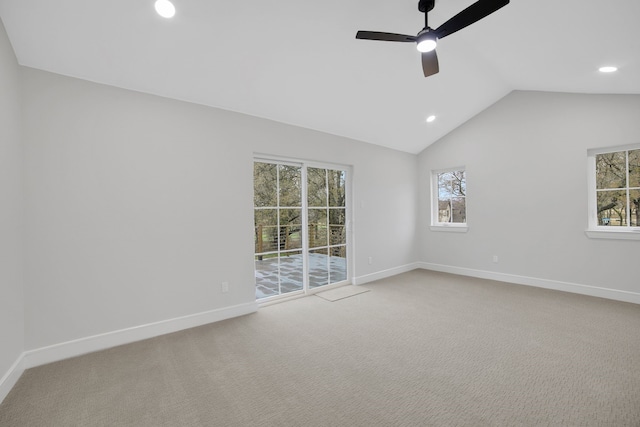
point(436, 225)
point(594, 230)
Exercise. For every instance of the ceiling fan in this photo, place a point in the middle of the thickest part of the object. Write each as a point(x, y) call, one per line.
point(427, 38)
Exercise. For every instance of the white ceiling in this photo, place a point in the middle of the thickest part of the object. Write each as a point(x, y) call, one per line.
point(298, 62)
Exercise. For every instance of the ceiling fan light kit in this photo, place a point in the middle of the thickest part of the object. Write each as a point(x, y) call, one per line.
point(165, 8)
point(426, 40)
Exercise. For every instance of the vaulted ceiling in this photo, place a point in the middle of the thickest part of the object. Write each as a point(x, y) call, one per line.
point(298, 62)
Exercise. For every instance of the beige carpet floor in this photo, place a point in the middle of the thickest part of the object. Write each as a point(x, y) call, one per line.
point(419, 349)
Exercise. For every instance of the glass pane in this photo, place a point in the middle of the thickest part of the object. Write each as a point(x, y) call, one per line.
point(337, 229)
point(337, 216)
point(290, 272)
point(612, 207)
point(458, 209)
point(290, 229)
point(634, 196)
point(445, 188)
point(267, 283)
point(318, 268)
point(458, 183)
point(337, 235)
point(444, 210)
point(264, 184)
point(611, 170)
point(317, 228)
point(316, 187)
point(452, 189)
point(634, 168)
point(337, 191)
point(338, 264)
point(290, 185)
point(266, 230)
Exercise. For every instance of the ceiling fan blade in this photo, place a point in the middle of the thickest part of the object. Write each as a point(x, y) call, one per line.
point(387, 37)
point(430, 63)
point(472, 14)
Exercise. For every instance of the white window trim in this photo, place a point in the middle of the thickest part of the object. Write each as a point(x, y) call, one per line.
point(595, 231)
point(613, 235)
point(452, 227)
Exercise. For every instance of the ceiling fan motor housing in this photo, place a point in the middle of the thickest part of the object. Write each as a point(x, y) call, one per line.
point(426, 5)
point(425, 31)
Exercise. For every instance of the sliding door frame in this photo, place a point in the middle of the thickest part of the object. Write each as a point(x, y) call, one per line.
point(304, 164)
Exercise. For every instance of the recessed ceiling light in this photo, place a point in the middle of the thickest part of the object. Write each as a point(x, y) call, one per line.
point(165, 8)
point(608, 69)
point(430, 119)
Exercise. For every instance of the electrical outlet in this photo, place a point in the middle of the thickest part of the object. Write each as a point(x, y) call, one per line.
point(225, 287)
point(495, 258)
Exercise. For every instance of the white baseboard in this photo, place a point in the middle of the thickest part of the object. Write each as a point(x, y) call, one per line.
point(65, 350)
point(575, 288)
point(12, 376)
point(385, 273)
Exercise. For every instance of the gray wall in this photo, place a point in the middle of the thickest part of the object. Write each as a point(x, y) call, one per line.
point(138, 207)
point(11, 205)
point(526, 165)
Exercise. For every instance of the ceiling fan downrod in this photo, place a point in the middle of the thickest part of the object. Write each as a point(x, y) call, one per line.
point(425, 6)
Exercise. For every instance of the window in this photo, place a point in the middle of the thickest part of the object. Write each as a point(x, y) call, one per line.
point(449, 200)
point(614, 193)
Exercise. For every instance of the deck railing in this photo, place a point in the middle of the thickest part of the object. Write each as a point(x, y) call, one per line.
point(271, 238)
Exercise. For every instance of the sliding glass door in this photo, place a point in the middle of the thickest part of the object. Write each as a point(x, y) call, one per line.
point(278, 228)
point(327, 215)
point(300, 227)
